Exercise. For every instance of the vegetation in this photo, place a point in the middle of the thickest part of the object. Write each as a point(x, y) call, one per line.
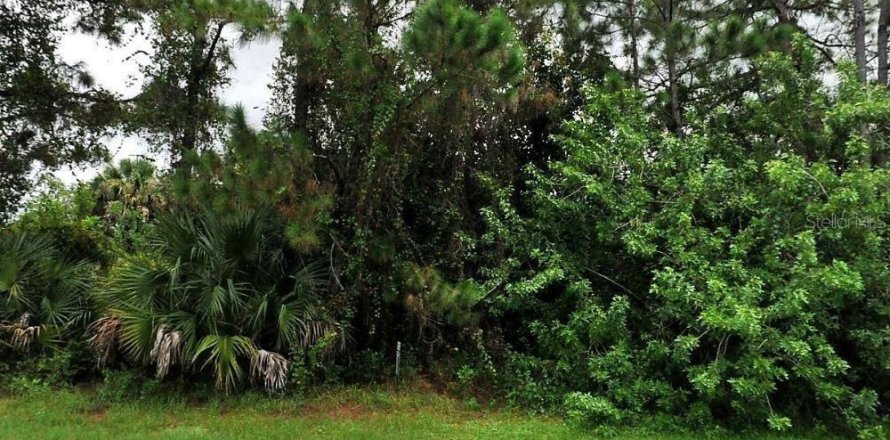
point(613, 212)
point(345, 413)
point(213, 289)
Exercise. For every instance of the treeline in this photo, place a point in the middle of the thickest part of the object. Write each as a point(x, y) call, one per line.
point(606, 208)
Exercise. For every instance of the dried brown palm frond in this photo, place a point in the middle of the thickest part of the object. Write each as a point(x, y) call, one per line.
point(23, 336)
point(270, 369)
point(105, 334)
point(22, 333)
point(167, 350)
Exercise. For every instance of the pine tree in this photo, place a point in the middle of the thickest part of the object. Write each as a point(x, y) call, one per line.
point(179, 103)
point(396, 121)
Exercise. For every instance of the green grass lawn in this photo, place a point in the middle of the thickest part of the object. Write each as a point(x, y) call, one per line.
point(340, 414)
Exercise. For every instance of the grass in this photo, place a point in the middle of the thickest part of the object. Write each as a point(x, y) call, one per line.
point(349, 413)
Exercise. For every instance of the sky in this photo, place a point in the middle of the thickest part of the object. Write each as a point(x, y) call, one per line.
point(112, 70)
point(250, 78)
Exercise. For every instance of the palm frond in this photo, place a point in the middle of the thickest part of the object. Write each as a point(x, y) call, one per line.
point(43, 293)
point(22, 333)
point(217, 283)
point(270, 369)
point(106, 333)
point(137, 331)
point(167, 350)
point(223, 352)
point(138, 283)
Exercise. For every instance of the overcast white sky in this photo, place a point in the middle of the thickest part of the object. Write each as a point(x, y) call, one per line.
point(112, 70)
point(249, 79)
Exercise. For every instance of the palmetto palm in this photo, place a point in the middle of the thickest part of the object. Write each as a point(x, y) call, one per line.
point(42, 294)
point(133, 183)
point(213, 289)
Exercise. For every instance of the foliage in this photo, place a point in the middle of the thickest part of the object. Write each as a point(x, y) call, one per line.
point(179, 101)
point(130, 195)
point(122, 385)
point(67, 217)
point(44, 292)
point(51, 113)
point(210, 291)
point(602, 209)
point(69, 363)
point(259, 170)
point(395, 121)
point(719, 268)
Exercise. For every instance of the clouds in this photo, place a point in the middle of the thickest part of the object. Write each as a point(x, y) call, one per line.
point(250, 79)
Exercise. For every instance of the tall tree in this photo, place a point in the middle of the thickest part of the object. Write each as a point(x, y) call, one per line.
point(882, 41)
point(191, 44)
point(395, 118)
point(859, 39)
point(51, 112)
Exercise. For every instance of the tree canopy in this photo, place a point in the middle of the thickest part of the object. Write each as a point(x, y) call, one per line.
point(601, 208)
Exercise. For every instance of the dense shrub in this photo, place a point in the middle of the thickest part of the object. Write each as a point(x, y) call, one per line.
point(214, 292)
point(44, 293)
point(729, 267)
point(725, 270)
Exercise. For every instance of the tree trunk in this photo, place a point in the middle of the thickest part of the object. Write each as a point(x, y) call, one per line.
point(673, 80)
point(859, 39)
point(675, 94)
point(883, 23)
point(634, 44)
point(198, 70)
point(782, 12)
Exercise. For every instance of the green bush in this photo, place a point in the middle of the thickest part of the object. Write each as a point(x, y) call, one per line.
point(589, 409)
point(67, 364)
point(43, 293)
point(727, 267)
point(214, 292)
point(121, 386)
